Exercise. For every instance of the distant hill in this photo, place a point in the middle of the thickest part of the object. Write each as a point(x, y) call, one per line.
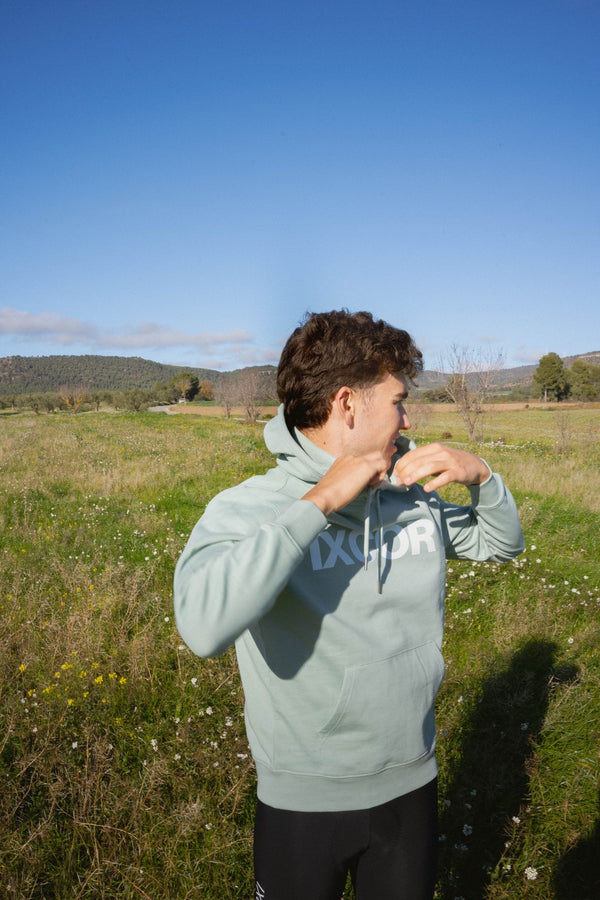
point(524, 374)
point(41, 374)
point(505, 379)
point(593, 357)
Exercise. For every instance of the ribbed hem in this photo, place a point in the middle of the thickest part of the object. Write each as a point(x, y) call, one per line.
point(314, 793)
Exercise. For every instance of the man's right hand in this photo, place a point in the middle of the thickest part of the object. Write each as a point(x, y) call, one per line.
point(346, 479)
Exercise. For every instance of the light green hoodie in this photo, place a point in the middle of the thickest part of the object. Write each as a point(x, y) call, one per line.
point(339, 655)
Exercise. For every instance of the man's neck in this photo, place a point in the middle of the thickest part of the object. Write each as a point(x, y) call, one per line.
point(326, 438)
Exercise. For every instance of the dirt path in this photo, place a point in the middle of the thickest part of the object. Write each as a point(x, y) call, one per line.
point(192, 410)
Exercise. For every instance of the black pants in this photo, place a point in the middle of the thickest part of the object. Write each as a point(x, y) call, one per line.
point(390, 851)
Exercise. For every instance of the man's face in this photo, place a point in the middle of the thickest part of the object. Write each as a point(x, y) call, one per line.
point(380, 417)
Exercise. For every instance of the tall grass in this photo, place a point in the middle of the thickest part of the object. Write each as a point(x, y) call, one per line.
point(124, 762)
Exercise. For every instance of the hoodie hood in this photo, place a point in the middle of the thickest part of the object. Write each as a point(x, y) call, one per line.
point(296, 455)
point(299, 457)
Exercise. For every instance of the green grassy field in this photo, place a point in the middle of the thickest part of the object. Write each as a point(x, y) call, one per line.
point(124, 763)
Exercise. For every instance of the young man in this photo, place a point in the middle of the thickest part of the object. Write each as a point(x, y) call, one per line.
point(328, 573)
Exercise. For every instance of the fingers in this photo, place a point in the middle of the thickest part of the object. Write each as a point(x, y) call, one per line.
point(345, 479)
point(348, 475)
point(446, 464)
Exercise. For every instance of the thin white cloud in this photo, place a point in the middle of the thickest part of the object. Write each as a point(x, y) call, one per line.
point(47, 326)
point(254, 356)
point(152, 335)
point(525, 355)
point(55, 329)
point(487, 338)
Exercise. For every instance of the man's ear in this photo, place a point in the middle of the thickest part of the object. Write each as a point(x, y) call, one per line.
point(344, 402)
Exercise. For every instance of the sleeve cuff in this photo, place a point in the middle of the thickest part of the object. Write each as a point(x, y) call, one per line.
point(303, 521)
point(490, 492)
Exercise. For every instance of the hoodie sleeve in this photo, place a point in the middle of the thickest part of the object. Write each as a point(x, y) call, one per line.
point(489, 529)
point(237, 561)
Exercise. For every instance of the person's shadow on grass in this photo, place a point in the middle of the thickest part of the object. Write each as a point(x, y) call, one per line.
point(577, 876)
point(485, 789)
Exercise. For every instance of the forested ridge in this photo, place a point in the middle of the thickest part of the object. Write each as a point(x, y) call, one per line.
point(29, 374)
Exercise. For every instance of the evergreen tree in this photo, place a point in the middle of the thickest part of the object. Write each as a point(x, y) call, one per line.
point(551, 377)
point(585, 380)
point(183, 386)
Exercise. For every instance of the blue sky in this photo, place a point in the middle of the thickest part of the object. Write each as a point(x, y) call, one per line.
point(183, 180)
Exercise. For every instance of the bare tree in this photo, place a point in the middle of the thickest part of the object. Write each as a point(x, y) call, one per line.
point(564, 429)
point(472, 374)
point(225, 392)
point(251, 390)
point(419, 415)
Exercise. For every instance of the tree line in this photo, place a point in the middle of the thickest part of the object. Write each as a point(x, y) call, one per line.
point(249, 388)
point(555, 381)
point(552, 380)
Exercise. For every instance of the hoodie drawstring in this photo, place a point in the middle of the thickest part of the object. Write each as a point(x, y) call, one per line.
point(367, 533)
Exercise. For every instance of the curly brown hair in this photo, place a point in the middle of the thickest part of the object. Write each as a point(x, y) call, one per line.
point(332, 349)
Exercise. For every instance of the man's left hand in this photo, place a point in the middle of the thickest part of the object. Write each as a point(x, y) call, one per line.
point(446, 464)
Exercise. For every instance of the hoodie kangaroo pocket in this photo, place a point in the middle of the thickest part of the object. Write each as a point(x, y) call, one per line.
point(385, 714)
